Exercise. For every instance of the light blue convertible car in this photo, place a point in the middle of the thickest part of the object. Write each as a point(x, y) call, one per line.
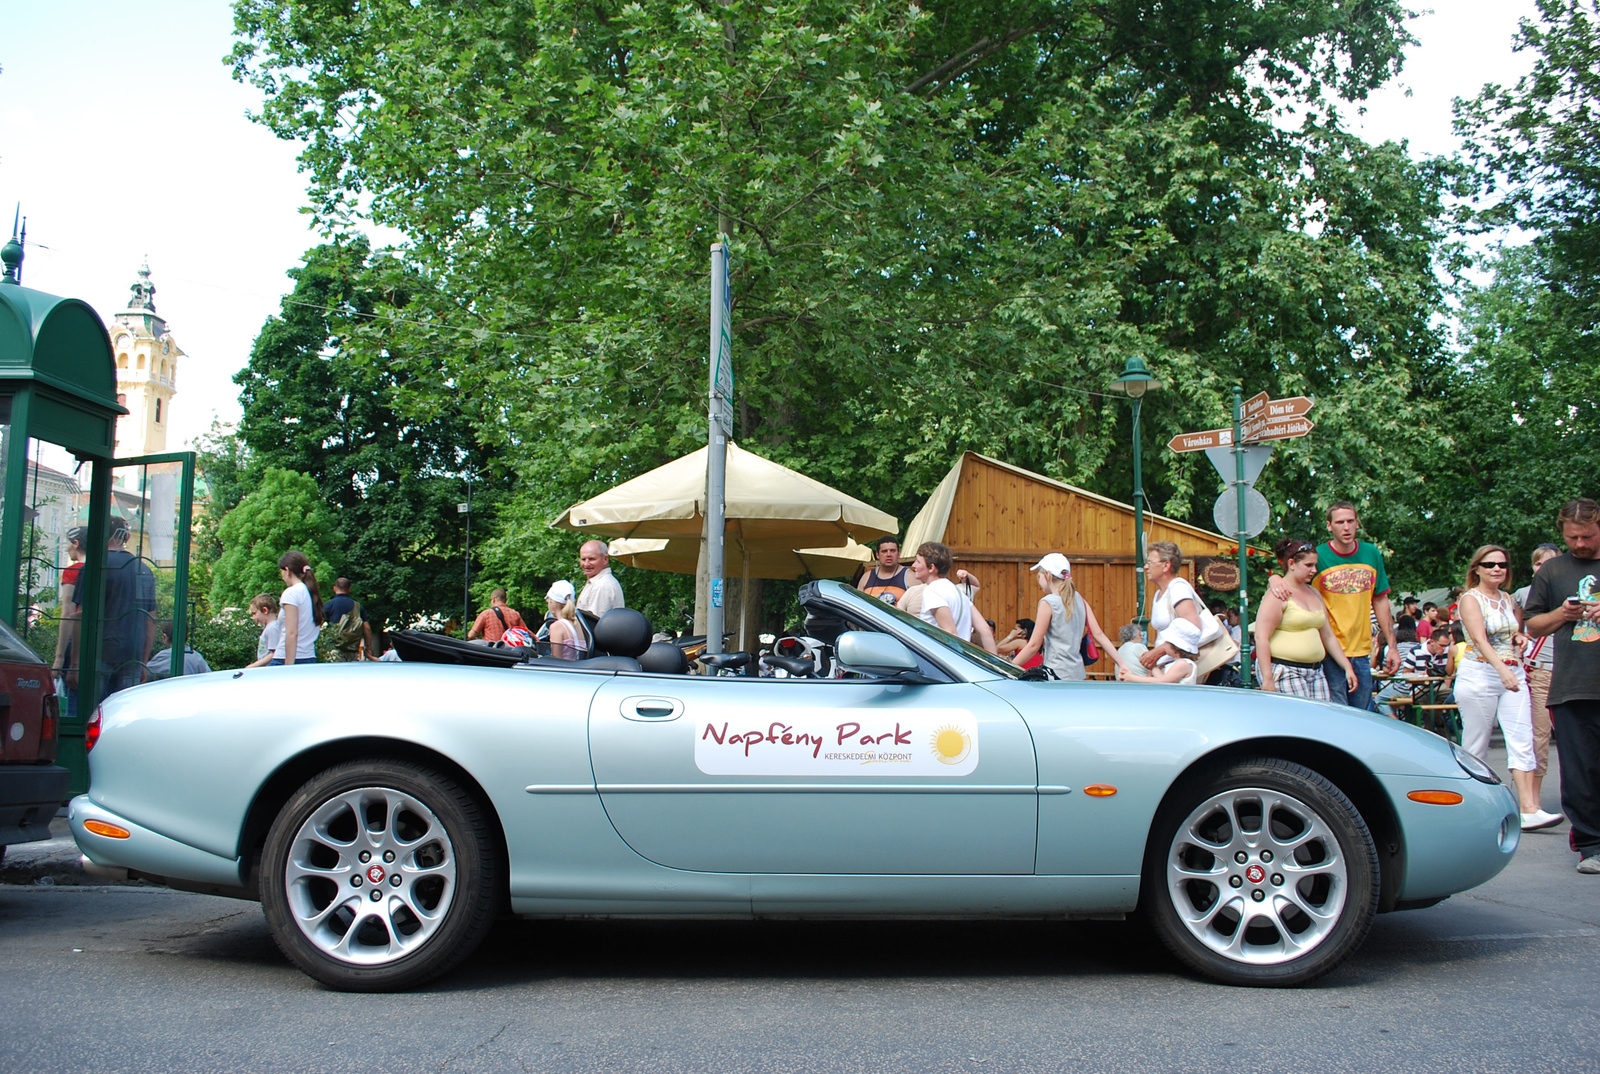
point(385, 815)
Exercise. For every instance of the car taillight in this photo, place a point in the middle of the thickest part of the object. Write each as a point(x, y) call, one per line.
point(91, 731)
point(49, 719)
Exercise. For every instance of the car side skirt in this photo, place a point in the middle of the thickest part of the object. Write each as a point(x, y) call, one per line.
point(835, 896)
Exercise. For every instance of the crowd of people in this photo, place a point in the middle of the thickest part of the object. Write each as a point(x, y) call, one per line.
point(1527, 661)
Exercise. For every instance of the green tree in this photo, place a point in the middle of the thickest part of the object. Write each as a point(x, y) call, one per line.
point(951, 225)
point(392, 481)
point(1523, 401)
point(285, 510)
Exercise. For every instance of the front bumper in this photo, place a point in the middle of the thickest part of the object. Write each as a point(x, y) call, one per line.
point(1454, 848)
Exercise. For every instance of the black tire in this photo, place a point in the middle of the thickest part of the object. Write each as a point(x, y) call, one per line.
point(424, 843)
point(1301, 900)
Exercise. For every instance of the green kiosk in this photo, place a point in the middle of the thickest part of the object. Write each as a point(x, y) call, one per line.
point(120, 547)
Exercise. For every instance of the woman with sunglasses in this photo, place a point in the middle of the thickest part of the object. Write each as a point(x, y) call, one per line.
point(1293, 634)
point(1490, 684)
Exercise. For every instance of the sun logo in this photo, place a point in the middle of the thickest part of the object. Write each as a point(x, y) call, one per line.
point(951, 744)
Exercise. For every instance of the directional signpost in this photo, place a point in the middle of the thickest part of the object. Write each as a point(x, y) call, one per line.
point(1257, 422)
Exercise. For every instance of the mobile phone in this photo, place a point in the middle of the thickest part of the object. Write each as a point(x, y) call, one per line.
point(1574, 600)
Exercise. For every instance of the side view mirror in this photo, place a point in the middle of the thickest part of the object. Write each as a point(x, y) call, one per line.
point(878, 655)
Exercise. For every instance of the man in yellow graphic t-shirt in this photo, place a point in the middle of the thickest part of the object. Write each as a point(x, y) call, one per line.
point(1354, 586)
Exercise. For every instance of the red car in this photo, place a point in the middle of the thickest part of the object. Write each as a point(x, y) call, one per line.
point(32, 785)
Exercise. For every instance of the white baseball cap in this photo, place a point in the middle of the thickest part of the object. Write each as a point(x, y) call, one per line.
point(560, 591)
point(1054, 564)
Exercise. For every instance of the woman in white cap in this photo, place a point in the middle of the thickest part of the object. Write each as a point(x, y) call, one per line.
point(567, 639)
point(1060, 623)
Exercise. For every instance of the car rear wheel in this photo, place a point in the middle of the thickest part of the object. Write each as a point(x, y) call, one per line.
point(379, 875)
point(1261, 874)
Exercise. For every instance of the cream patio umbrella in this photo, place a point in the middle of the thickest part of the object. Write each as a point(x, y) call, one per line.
point(770, 509)
point(766, 505)
point(682, 556)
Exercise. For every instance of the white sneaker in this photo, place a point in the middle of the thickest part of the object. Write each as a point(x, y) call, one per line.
point(1532, 822)
point(1590, 865)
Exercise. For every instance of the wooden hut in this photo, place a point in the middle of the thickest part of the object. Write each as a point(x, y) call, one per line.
point(999, 519)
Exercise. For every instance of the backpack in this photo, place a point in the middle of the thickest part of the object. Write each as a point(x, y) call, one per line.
point(349, 633)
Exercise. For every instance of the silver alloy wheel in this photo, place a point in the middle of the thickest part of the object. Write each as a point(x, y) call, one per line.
point(370, 876)
point(1257, 876)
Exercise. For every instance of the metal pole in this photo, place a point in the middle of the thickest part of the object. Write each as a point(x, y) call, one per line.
point(1239, 486)
point(721, 422)
point(466, 569)
point(1140, 620)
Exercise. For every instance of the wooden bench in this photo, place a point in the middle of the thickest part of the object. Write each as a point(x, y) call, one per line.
point(1442, 719)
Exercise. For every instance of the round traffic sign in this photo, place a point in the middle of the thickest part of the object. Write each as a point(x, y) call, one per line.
point(1226, 512)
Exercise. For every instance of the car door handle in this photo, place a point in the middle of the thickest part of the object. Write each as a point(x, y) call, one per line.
point(651, 709)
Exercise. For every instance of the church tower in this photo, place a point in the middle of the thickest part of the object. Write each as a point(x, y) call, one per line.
point(147, 371)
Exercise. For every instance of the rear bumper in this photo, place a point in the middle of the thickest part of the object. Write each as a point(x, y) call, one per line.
point(29, 797)
point(146, 853)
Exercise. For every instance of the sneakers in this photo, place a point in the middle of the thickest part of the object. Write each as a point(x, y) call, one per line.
point(1590, 865)
point(1532, 822)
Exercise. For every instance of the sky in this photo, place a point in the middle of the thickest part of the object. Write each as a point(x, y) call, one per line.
point(124, 137)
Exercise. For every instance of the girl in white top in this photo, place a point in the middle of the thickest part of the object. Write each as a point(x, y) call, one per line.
point(1490, 684)
point(567, 641)
point(300, 611)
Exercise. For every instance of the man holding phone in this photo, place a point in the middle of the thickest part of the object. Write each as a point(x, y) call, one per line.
point(1564, 601)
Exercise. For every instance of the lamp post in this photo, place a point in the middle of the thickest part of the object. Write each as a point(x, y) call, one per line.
point(1134, 382)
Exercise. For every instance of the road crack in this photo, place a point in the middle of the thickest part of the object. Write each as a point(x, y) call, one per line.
point(484, 1046)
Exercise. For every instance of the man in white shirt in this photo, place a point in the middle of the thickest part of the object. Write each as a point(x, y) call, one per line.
point(602, 591)
point(942, 603)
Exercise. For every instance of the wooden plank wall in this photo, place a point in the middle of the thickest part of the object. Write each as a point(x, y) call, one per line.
point(1002, 522)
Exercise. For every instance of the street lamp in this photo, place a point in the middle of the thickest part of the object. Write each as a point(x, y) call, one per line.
point(1134, 382)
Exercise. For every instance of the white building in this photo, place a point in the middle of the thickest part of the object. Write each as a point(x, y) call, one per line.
point(147, 371)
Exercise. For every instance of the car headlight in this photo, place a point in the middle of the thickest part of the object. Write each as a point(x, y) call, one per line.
point(1472, 766)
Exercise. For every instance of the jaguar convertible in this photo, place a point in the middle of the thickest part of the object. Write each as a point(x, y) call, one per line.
point(385, 815)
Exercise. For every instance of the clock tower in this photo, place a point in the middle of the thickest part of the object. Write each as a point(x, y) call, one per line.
point(147, 371)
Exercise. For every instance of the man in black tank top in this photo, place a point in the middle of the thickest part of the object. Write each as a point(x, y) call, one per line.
point(885, 579)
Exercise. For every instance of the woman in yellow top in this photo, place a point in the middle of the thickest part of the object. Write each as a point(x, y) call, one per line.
point(1293, 635)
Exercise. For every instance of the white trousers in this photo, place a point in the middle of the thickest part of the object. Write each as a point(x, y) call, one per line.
point(1483, 699)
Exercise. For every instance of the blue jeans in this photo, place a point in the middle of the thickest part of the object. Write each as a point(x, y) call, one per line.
point(1362, 697)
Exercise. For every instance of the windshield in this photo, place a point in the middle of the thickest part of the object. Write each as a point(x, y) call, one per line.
point(972, 652)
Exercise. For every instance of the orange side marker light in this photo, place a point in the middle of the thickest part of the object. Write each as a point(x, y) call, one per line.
point(110, 831)
point(1435, 797)
point(1099, 790)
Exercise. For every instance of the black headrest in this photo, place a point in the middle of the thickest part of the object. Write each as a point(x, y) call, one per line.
point(664, 658)
point(623, 632)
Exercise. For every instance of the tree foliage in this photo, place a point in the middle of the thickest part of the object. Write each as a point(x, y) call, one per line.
point(393, 481)
point(1524, 399)
point(285, 510)
point(951, 224)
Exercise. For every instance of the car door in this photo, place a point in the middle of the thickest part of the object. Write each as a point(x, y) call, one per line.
point(815, 776)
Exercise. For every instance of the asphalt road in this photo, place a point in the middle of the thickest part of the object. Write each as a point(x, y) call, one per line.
point(1502, 978)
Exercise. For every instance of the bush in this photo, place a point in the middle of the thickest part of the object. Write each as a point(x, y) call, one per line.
point(227, 640)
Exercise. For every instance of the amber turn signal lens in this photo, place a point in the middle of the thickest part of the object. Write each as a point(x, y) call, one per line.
point(110, 831)
point(1435, 797)
point(1100, 790)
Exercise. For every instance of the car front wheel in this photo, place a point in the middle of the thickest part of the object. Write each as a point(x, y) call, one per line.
point(1261, 874)
point(379, 875)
